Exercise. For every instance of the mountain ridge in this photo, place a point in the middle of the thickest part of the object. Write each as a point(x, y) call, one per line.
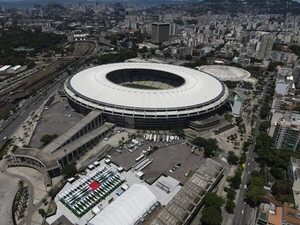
point(254, 6)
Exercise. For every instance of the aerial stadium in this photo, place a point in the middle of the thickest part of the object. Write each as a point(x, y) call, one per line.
point(226, 73)
point(147, 95)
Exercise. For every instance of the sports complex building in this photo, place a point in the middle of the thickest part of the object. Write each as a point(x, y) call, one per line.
point(147, 95)
point(226, 73)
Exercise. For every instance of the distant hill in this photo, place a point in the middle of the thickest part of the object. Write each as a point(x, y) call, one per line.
point(21, 3)
point(253, 6)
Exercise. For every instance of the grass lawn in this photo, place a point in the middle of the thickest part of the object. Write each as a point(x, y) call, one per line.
point(140, 86)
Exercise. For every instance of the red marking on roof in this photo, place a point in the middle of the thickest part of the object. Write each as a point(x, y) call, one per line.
point(94, 185)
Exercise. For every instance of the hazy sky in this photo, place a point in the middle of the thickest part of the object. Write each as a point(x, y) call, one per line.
point(120, 0)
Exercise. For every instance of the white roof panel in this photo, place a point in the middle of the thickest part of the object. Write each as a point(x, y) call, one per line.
point(226, 73)
point(127, 208)
point(4, 68)
point(198, 87)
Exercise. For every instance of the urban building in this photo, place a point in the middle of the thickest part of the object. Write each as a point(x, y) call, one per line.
point(186, 203)
point(294, 174)
point(66, 148)
point(160, 32)
point(108, 194)
point(147, 95)
point(237, 106)
point(287, 133)
point(226, 73)
point(272, 212)
point(265, 46)
point(128, 208)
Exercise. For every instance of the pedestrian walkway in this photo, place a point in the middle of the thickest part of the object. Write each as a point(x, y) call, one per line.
point(35, 177)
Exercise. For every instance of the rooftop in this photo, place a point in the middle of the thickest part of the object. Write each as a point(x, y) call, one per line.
point(198, 88)
point(59, 141)
point(48, 160)
point(128, 208)
point(226, 73)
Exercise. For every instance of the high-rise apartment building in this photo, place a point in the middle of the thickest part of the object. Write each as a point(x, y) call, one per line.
point(287, 133)
point(160, 32)
point(265, 47)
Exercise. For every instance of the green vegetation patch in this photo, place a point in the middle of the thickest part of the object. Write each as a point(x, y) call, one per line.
point(211, 213)
point(13, 40)
point(210, 145)
point(47, 138)
point(141, 86)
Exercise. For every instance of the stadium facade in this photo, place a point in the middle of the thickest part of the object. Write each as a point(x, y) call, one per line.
point(147, 95)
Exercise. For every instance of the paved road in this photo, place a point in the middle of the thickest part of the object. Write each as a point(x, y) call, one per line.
point(9, 126)
point(8, 190)
point(243, 212)
point(31, 104)
point(7, 129)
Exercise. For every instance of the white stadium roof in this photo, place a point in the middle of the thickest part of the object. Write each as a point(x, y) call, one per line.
point(126, 209)
point(91, 87)
point(226, 73)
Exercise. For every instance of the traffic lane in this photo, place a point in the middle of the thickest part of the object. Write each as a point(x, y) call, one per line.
point(239, 215)
point(12, 126)
point(241, 208)
point(251, 166)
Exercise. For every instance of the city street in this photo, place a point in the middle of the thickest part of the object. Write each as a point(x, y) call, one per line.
point(243, 212)
point(31, 104)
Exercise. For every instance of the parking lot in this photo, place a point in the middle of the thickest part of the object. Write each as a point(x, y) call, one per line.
point(173, 158)
point(57, 119)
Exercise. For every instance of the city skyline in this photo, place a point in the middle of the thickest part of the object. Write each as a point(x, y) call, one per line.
point(142, 112)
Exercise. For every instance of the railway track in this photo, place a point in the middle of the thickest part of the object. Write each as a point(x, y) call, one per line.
point(40, 78)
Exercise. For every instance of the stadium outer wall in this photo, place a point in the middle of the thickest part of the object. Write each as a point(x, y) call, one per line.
point(193, 95)
point(151, 123)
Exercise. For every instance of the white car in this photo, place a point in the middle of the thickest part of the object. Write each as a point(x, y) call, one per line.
point(242, 211)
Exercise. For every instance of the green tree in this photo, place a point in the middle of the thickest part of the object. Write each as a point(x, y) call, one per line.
point(231, 194)
point(264, 126)
point(255, 194)
point(69, 170)
point(273, 65)
point(295, 49)
point(212, 199)
point(211, 216)
point(232, 158)
point(256, 190)
point(230, 206)
point(235, 181)
point(238, 120)
point(47, 138)
point(210, 145)
point(282, 189)
point(42, 212)
point(277, 173)
point(143, 50)
point(155, 148)
point(188, 57)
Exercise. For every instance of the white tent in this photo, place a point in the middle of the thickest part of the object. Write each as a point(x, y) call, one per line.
point(127, 208)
